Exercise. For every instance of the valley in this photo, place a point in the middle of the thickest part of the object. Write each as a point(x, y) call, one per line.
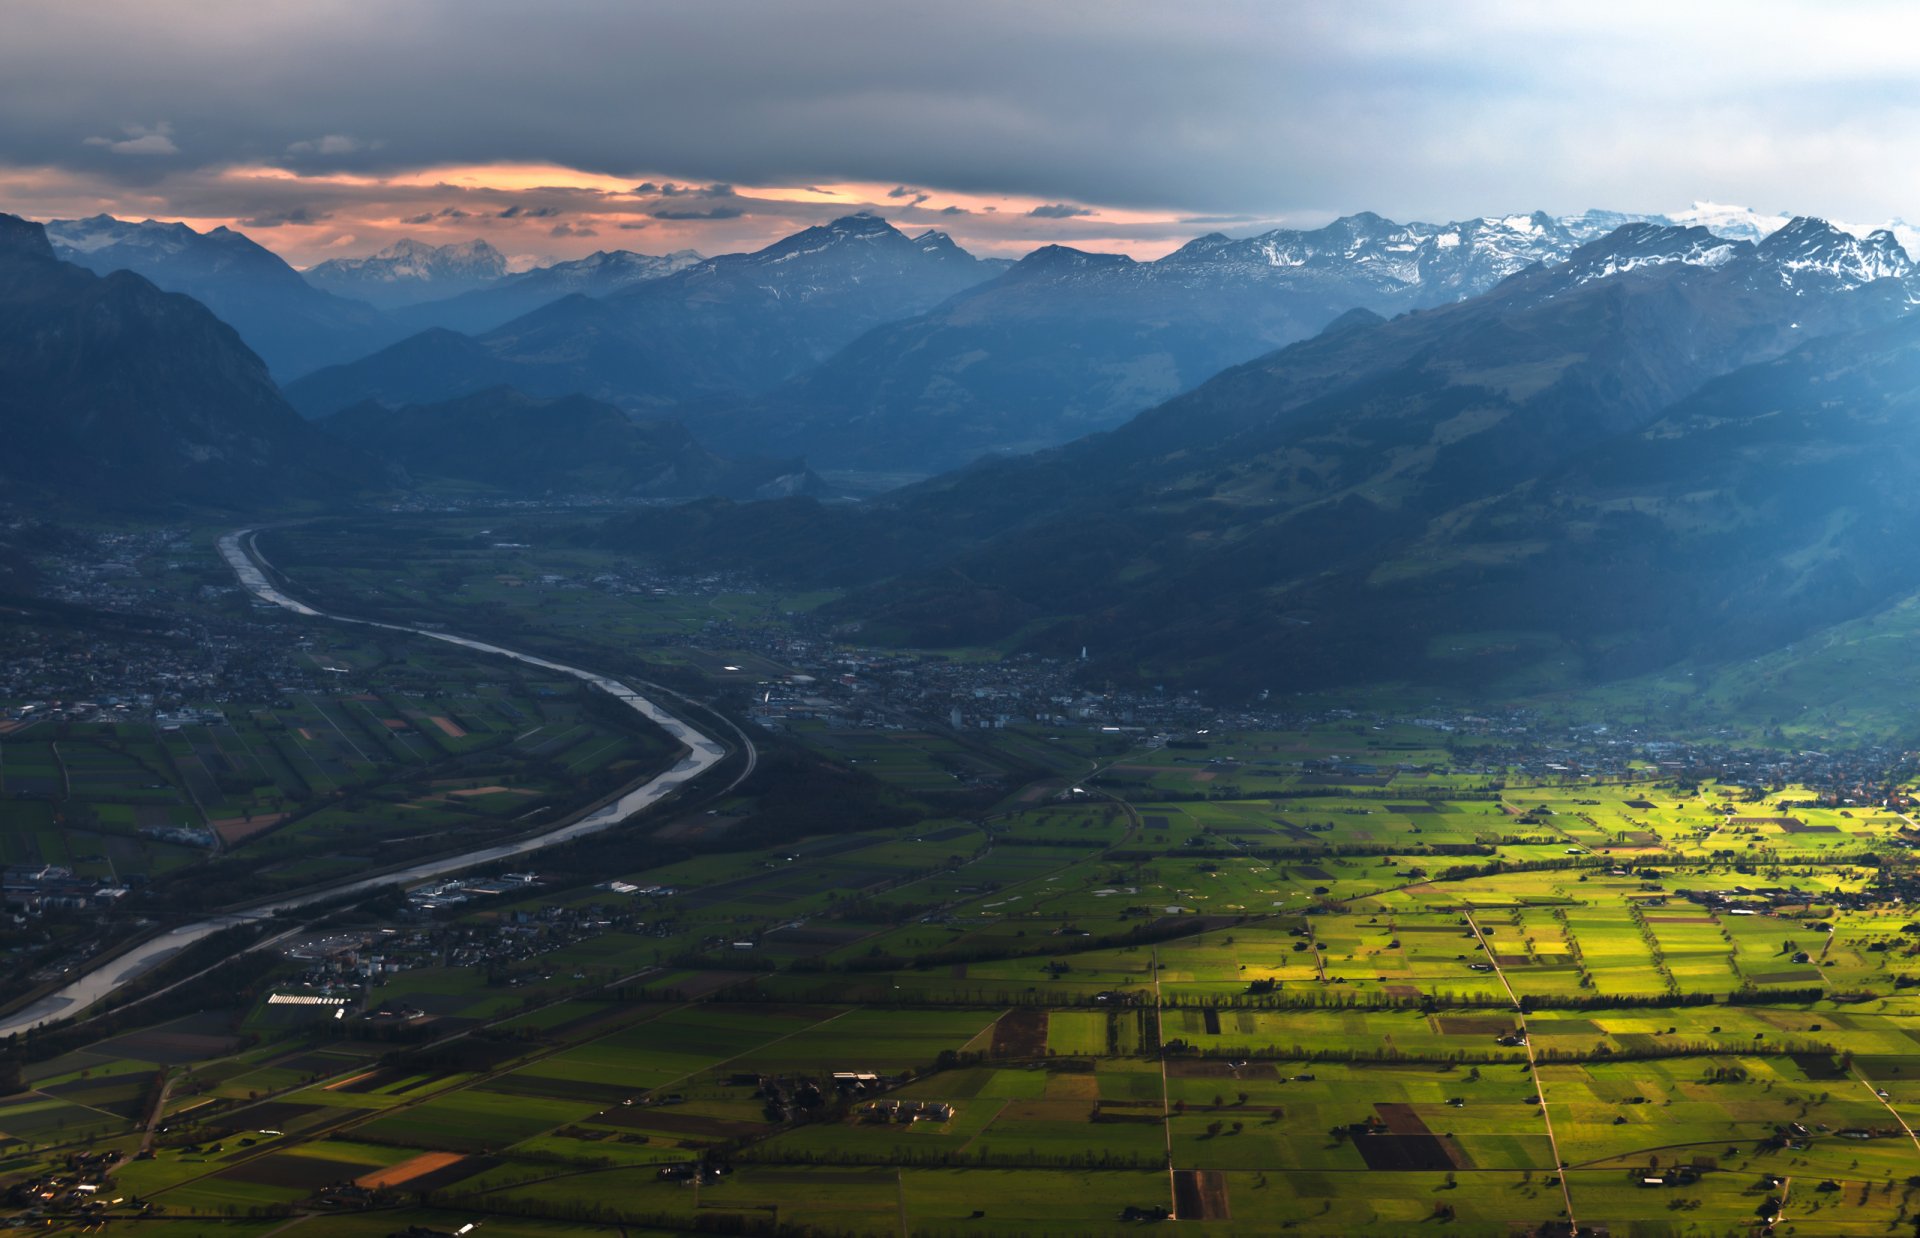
point(1251, 971)
point(844, 620)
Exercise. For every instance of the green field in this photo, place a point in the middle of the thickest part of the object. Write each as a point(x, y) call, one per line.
point(1354, 976)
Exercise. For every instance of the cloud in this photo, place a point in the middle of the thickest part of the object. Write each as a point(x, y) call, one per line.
point(138, 140)
point(517, 211)
point(955, 210)
point(564, 229)
point(1058, 210)
point(716, 212)
point(1132, 108)
point(431, 217)
point(671, 190)
point(331, 144)
point(295, 217)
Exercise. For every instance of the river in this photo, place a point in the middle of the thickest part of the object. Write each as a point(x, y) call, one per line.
point(102, 978)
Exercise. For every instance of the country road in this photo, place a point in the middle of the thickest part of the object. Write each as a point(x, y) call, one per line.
point(703, 753)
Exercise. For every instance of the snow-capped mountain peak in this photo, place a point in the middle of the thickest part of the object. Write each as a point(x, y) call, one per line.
point(934, 241)
point(410, 270)
point(1736, 223)
point(1427, 262)
point(410, 259)
point(1806, 246)
point(1633, 246)
point(99, 232)
point(605, 265)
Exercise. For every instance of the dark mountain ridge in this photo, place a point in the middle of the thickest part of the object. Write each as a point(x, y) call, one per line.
point(116, 394)
point(599, 274)
point(724, 327)
point(570, 445)
point(292, 325)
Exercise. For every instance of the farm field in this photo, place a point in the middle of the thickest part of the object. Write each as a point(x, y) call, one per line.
point(1350, 978)
point(1324, 1013)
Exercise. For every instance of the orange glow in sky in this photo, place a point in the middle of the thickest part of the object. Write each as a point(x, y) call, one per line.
point(537, 212)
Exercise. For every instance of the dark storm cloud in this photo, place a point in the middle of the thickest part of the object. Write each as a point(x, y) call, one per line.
point(712, 212)
point(1227, 107)
point(671, 190)
point(298, 216)
point(444, 213)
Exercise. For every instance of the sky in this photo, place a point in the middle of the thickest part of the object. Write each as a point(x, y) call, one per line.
point(552, 128)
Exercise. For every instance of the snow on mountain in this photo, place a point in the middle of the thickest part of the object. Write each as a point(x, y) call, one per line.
point(599, 274)
point(605, 270)
point(1428, 262)
point(1813, 247)
point(1736, 223)
point(1592, 225)
point(408, 259)
point(410, 271)
point(832, 258)
point(1633, 246)
point(1740, 223)
point(1802, 252)
point(135, 245)
point(100, 231)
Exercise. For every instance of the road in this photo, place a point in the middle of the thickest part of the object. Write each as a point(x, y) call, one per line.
point(703, 753)
point(1533, 1069)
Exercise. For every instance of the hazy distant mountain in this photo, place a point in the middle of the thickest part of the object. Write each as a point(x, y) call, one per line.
point(1740, 223)
point(294, 326)
point(723, 327)
point(408, 272)
point(114, 393)
point(570, 445)
point(1770, 502)
point(1068, 342)
point(597, 275)
point(1273, 526)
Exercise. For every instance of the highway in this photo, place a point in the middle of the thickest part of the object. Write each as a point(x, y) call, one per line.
point(703, 753)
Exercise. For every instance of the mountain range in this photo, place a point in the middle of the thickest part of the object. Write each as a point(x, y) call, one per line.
point(299, 322)
point(1067, 342)
point(725, 326)
point(1330, 513)
point(1520, 449)
point(599, 274)
point(992, 358)
point(843, 371)
point(117, 395)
